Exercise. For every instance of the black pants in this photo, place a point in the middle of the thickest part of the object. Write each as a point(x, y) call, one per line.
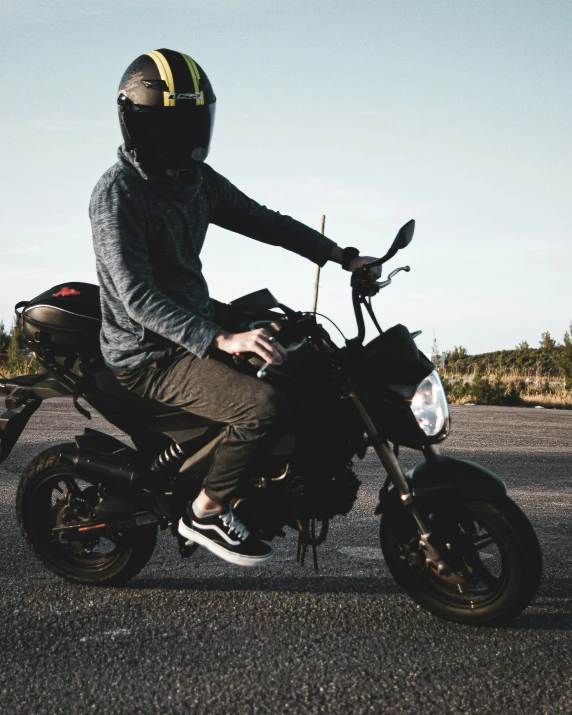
point(253, 411)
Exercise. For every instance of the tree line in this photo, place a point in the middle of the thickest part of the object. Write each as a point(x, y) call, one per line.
point(549, 360)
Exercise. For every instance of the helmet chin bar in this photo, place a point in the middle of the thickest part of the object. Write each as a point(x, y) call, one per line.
point(177, 159)
point(155, 160)
point(183, 162)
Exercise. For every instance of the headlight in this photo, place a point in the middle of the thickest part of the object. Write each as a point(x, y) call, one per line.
point(431, 409)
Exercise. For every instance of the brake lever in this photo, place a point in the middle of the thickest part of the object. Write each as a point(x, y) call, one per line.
point(396, 271)
point(387, 281)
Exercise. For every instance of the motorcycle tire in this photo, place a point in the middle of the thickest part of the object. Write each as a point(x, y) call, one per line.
point(108, 559)
point(492, 550)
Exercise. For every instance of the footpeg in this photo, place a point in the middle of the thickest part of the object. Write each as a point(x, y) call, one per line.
point(186, 548)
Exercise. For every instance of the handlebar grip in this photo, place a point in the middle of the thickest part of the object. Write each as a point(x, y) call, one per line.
point(262, 372)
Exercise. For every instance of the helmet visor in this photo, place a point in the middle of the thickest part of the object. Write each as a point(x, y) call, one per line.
point(177, 136)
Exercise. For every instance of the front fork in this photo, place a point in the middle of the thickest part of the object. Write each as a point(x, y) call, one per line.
point(396, 475)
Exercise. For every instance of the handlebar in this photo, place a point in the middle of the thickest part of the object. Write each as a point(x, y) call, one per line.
point(364, 287)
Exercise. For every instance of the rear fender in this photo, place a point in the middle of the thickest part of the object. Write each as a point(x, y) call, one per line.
point(442, 479)
point(41, 386)
point(13, 422)
point(24, 394)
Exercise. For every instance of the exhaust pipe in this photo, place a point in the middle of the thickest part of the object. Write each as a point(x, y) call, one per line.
point(104, 467)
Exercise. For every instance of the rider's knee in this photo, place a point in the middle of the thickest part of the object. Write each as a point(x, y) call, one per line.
point(272, 407)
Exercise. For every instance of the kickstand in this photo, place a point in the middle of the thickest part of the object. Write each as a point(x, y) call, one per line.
point(302, 546)
point(314, 547)
point(304, 539)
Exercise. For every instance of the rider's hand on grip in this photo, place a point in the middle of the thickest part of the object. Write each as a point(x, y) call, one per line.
point(258, 341)
point(361, 261)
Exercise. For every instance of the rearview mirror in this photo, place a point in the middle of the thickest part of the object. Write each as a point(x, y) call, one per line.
point(404, 236)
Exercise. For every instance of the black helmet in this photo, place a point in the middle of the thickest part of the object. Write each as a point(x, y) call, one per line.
point(166, 109)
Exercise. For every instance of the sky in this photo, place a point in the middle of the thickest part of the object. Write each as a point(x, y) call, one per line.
point(372, 112)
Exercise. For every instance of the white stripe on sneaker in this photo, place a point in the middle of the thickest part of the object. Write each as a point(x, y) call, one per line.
point(204, 527)
point(219, 550)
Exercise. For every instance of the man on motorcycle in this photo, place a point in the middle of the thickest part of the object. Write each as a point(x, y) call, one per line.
point(161, 333)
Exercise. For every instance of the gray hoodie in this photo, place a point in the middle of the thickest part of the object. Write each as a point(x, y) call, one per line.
point(148, 231)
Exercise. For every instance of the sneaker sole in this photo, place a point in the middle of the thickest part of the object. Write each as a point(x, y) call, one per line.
point(194, 537)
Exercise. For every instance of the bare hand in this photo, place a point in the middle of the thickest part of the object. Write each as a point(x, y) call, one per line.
point(257, 341)
point(361, 261)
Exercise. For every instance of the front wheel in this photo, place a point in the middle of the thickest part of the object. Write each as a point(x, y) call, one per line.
point(493, 554)
point(53, 504)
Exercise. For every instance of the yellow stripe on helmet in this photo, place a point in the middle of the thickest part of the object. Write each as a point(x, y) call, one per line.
point(194, 70)
point(166, 75)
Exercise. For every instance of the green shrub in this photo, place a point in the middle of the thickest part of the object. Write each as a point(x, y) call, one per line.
point(565, 358)
point(16, 363)
point(4, 338)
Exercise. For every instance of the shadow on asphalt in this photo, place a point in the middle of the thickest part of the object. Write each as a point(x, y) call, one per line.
point(554, 595)
point(542, 622)
point(550, 599)
point(315, 584)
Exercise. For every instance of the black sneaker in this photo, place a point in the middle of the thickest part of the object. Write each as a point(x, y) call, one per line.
point(226, 536)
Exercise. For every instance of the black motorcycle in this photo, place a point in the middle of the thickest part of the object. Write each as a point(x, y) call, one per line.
point(450, 535)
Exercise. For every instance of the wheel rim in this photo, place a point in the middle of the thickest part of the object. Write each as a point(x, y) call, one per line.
point(470, 546)
point(62, 500)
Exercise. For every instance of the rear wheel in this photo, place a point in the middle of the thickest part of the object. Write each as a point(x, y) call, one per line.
point(53, 504)
point(492, 551)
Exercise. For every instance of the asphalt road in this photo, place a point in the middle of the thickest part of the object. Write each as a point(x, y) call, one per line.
point(201, 636)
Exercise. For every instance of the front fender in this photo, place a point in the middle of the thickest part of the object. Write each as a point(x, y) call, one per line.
point(446, 476)
point(441, 478)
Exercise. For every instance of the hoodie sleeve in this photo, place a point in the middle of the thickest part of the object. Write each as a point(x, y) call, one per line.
point(120, 242)
point(235, 211)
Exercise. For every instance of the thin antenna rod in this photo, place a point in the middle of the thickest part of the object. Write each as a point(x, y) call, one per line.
point(317, 273)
